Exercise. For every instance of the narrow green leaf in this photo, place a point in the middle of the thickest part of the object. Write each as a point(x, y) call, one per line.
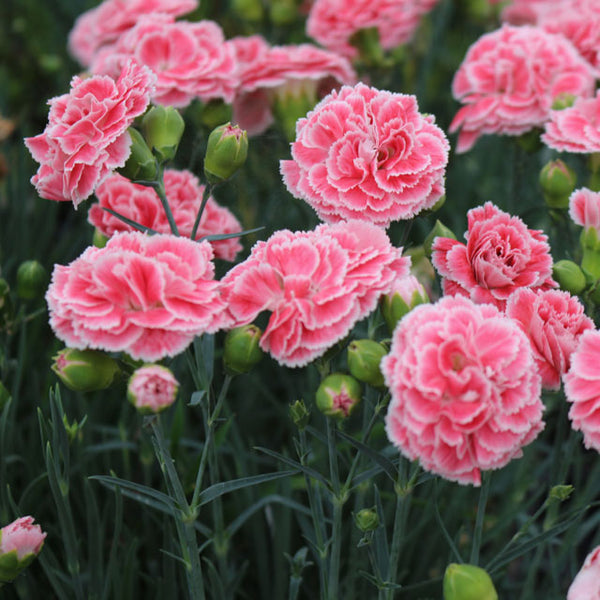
point(225, 236)
point(129, 222)
point(295, 464)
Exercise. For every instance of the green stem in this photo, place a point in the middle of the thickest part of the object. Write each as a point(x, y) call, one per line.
point(159, 187)
point(205, 196)
point(477, 533)
point(338, 503)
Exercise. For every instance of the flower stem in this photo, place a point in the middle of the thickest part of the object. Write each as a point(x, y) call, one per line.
point(483, 497)
point(159, 187)
point(338, 503)
point(205, 196)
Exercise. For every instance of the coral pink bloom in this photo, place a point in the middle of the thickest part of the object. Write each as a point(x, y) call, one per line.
point(332, 23)
point(586, 585)
point(465, 390)
point(102, 25)
point(582, 388)
point(584, 208)
point(500, 256)
point(190, 60)
point(86, 137)
point(144, 295)
point(23, 537)
point(367, 154)
point(266, 73)
point(575, 129)
point(142, 205)
point(152, 388)
point(509, 80)
point(316, 284)
point(553, 320)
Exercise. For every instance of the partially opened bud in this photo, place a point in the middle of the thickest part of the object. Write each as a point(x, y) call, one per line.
point(338, 395)
point(406, 293)
point(99, 239)
point(152, 388)
point(468, 582)
point(163, 127)
point(439, 230)
point(32, 280)
point(366, 519)
point(20, 542)
point(85, 370)
point(141, 164)
point(569, 276)
point(364, 357)
point(226, 152)
point(241, 349)
point(558, 182)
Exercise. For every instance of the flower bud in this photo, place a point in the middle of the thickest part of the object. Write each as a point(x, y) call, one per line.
point(364, 357)
point(20, 542)
point(367, 519)
point(249, 10)
point(241, 349)
point(85, 370)
point(225, 153)
point(291, 101)
point(141, 164)
point(590, 260)
point(32, 280)
point(99, 239)
point(563, 100)
point(439, 230)
point(163, 127)
point(405, 294)
point(283, 12)
point(468, 582)
point(560, 493)
point(569, 276)
point(152, 388)
point(338, 395)
point(299, 414)
point(558, 182)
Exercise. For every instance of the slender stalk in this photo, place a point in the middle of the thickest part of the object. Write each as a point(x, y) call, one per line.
point(338, 504)
point(159, 187)
point(205, 196)
point(477, 533)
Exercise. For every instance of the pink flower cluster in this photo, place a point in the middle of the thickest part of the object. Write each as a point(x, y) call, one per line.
point(142, 205)
point(23, 537)
point(148, 296)
point(190, 60)
point(86, 137)
point(316, 285)
point(509, 80)
point(586, 585)
point(152, 388)
point(332, 23)
point(582, 389)
point(465, 390)
point(367, 154)
point(576, 128)
point(101, 26)
point(501, 255)
point(266, 71)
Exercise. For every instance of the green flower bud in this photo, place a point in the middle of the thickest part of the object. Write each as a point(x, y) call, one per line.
point(291, 101)
point(99, 239)
point(338, 395)
point(225, 153)
point(241, 350)
point(439, 230)
point(32, 280)
point(141, 164)
point(283, 12)
point(557, 181)
point(468, 582)
point(4, 396)
point(85, 370)
point(299, 413)
point(590, 261)
point(560, 492)
point(163, 127)
point(367, 519)
point(250, 10)
point(569, 276)
point(564, 100)
point(407, 293)
point(364, 357)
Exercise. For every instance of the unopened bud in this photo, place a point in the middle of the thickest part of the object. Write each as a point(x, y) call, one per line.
point(439, 230)
point(560, 493)
point(299, 413)
point(338, 395)
point(557, 181)
point(141, 164)
point(406, 293)
point(99, 239)
point(364, 357)
point(291, 101)
point(20, 542)
point(152, 388)
point(163, 127)
point(241, 349)
point(468, 582)
point(85, 370)
point(226, 152)
point(32, 280)
point(564, 100)
point(367, 519)
point(569, 276)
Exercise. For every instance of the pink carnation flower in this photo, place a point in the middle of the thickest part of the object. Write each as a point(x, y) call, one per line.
point(584, 208)
point(23, 537)
point(145, 295)
point(142, 205)
point(465, 390)
point(582, 388)
point(152, 388)
point(586, 585)
point(190, 60)
point(332, 23)
point(367, 154)
point(500, 256)
point(86, 137)
point(267, 72)
point(553, 320)
point(575, 129)
point(509, 80)
point(316, 284)
point(101, 26)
